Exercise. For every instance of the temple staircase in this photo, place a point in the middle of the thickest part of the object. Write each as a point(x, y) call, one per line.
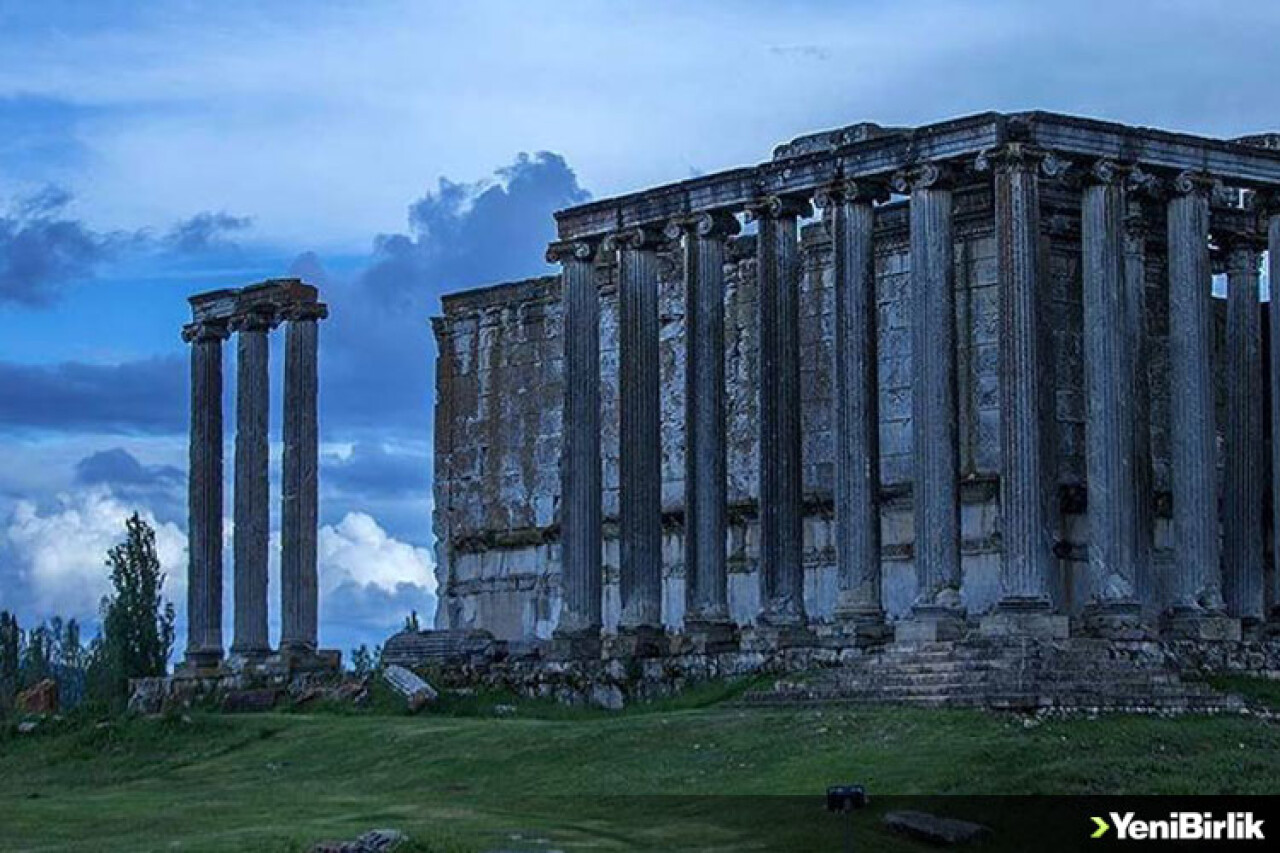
point(1004, 674)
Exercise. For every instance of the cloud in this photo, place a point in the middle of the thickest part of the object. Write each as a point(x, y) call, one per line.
point(373, 467)
point(120, 467)
point(205, 232)
point(146, 396)
point(59, 553)
point(42, 250)
point(358, 551)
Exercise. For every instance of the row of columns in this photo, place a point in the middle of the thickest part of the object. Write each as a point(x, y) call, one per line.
point(299, 500)
point(1113, 241)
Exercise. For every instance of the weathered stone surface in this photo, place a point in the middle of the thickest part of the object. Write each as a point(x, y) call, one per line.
point(416, 691)
point(40, 698)
point(935, 830)
point(249, 701)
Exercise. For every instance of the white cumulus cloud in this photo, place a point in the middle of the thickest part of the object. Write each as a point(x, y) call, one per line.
point(357, 550)
point(60, 552)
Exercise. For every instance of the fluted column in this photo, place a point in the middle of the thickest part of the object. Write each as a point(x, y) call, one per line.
point(1135, 289)
point(252, 511)
point(1271, 207)
point(580, 513)
point(706, 618)
point(1242, 557)
point(204, 495)
point(1109, 428)
point(299, 515)
point(640, 443)
point(935, 488)
point(851, 219)
point(1196, 588)
point(781, 502)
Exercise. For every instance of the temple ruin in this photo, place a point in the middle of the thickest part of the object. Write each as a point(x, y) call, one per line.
point(988, 393)
point(250, 314)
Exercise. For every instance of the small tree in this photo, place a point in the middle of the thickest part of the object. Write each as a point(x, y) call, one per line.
point(411, 622)
point(137, 621)
point(10, 656)
point(362, 660)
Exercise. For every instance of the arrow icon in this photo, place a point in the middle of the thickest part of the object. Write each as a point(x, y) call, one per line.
point(1103, 826)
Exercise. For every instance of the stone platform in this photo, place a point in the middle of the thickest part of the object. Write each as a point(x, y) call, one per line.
point(238, 685)
point(1000, 673)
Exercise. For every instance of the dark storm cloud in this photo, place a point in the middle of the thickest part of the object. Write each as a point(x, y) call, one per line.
point(372, 468)
point(205, 232)
point(119, 467)
point(42, 250)
point(378, 344)
point(138, 396)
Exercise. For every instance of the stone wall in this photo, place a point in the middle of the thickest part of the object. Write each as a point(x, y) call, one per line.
point(498, 424)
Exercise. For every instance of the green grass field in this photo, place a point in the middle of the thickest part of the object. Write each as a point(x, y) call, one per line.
point(694, 774)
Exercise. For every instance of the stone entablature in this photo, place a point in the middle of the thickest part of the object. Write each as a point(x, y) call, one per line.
point(1053, 244)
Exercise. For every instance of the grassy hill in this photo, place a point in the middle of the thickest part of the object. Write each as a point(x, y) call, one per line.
point(697, 774)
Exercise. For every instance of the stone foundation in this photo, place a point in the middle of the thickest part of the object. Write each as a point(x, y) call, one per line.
point(248, 686)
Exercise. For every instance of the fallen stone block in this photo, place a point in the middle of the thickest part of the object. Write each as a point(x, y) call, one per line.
point(40, 698)
point(374, 841)
point(935, 830)
point(408, 684)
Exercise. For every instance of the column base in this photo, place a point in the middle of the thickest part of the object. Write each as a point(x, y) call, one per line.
point(1114, 620)
point(930, 625)
point(707, 637)
point(1187, 624)
point(636, 641)
point(576, 645)
point(863, 629)
point(201, 661)
point(767, 637)
point(305, 659)
point(1015, 617)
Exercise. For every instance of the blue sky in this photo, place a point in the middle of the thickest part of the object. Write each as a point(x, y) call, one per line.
point(391, 152)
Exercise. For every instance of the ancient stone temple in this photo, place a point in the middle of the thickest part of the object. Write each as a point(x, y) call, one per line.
point(996, 377)
point(250, 314)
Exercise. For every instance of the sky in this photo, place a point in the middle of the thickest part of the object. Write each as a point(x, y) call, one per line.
point(391, 152)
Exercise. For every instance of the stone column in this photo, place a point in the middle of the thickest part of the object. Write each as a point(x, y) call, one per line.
point(581, 535)
point(1197, 606)
point(640, 444)
point(1272, 219)
point(1242, 557)
point(1135, 289)
point(299, 515)
point(204, 496)
point(937, 613)
point(851, 220)
point(252, 511)
point(1109, 363)
point(778, 271)
point(1027, 562)
point(706, 620)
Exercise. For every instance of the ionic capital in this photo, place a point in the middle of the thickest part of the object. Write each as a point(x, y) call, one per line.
point(1192, 183)
point(572, 250)
point(260, 318)
point(1010, 157)
point(852, 191)
point(707, 225)
point(638, 238)
point(1242, 250)
point(924, 176)
point(203, 331)
point(302, 311)
point(779, 207)
point(1107, 172)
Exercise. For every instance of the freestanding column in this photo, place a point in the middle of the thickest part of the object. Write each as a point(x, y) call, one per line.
point(204, 568)
point(938, 609)
point(580, 514)
point(1272, 207)
point(1027, 560)
point(299, 588)
point(252, 512)
point(706, 619)
point(857, 423)
point(781, 501)
point(1109, 429)
point(1197, 598)
point(1242, 494)
point(640, 443)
